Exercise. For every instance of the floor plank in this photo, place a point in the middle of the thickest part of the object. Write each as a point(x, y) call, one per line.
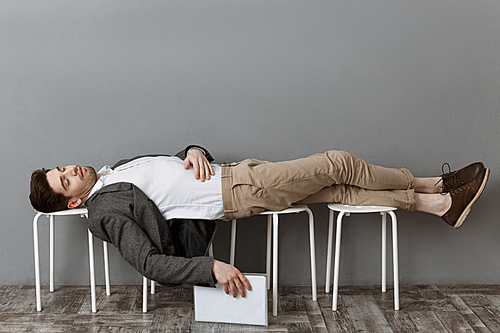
point(484, 310)
point(466, 312)
point(426, 321)
point(365, 314)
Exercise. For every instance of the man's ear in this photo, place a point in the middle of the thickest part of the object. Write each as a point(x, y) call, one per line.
point(73, 203)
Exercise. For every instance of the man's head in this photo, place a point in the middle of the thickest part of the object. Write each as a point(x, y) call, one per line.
point(61, 188)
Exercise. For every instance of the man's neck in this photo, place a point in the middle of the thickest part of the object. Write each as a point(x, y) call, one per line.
point(99, 175)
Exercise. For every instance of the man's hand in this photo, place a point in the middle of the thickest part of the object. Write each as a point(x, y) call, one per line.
point(231, 278)
point(202, 168)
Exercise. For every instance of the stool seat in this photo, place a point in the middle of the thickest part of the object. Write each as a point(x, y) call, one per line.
point(360, 209)
point(347, 210)
point(293, 209)
point(68, 212)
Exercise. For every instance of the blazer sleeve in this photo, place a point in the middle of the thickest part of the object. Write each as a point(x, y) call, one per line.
point(121, 219)
point(137, 249)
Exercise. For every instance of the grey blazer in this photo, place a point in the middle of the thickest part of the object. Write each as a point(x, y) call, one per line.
point(169, 252)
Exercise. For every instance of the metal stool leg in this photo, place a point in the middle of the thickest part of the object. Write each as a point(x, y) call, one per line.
point(313, 254)
point(268, 250)
point(233, 242)
point(275, 265)
point(384, 251)
point(329, 252)
point(144, 294)
point(337, 261)
point(51, 254)
point(37, 262)
point(106, 267)
point(395, 259)
point(92, 271)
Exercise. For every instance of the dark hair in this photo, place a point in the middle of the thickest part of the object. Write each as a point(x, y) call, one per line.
point(42, 197)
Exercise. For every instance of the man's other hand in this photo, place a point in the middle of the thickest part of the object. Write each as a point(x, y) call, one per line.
point(202, 168)
point(230, 278)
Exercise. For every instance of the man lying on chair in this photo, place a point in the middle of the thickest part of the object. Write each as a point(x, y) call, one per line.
point(159, 210)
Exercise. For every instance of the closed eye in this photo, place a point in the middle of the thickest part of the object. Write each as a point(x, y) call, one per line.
point(63, 185)
point(64, 181)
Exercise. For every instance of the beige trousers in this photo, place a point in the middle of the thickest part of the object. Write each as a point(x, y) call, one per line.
point(252, 186)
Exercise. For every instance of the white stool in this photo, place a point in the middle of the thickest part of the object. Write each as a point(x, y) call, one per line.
point(70, 212)
point(83, 213)
point(272, 224)
point(347, 210)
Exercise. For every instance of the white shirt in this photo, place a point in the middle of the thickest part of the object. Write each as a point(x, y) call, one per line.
point(174, 190)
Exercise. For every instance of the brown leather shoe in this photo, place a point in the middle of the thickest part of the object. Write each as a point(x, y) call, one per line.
point(455, 179)
point(463, 197)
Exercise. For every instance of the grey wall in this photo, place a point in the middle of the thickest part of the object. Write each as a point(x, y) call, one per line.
point(398, 83)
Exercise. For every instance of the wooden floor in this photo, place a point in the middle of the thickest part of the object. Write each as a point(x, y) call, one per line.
point(430, 308)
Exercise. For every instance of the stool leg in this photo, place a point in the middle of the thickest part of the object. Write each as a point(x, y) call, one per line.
point(106, 267)
point(313, 254)
point(51, 255)
point(37, 262)
point(337, 261)
point(275, 265)
point(395, 259)
point(268, 250)
point(153, 287)
point(92, 271)
point(384, 251)
point(233, 242)
point(329, 253)
point(144, 294)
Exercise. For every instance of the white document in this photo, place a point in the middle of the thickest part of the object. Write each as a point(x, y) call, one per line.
point(213, 305)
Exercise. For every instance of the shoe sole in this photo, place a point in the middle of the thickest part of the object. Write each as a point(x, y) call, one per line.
point(467, 209)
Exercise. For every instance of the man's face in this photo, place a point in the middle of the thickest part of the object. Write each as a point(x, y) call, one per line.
point(73, 181)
